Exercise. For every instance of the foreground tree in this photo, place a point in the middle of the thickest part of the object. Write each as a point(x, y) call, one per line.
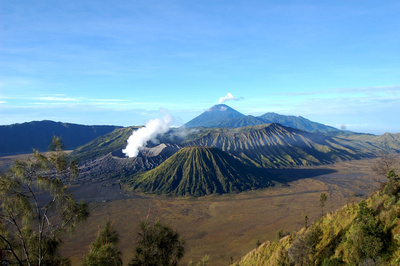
point(36, 209)
point(158, 245)
point(104, 250)
point(322, 199)
point(386, 160)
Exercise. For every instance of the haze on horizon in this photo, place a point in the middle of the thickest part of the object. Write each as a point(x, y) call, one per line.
point(119, 62)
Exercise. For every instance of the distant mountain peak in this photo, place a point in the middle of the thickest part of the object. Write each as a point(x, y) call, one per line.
point(214, 116)
point(220, 108)
point(221, 115)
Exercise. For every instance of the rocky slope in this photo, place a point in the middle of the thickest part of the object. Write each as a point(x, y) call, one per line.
point(116, 165)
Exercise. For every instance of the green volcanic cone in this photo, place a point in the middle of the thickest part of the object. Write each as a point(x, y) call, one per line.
point(200, 171)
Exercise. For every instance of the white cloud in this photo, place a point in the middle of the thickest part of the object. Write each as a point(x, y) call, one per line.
point(229, 97)
point(60, 99)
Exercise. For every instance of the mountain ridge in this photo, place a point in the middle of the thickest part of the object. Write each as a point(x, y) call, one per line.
point(274, 145)
point(235, 119)
point(22, 138)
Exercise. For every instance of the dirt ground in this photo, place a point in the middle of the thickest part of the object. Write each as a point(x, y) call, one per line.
point(224, 227)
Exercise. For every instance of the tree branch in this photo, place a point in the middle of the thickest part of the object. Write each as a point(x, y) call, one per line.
point(12, 249)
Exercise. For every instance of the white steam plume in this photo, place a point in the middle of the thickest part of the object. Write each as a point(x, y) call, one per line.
point(150, 131)
point(229, 97)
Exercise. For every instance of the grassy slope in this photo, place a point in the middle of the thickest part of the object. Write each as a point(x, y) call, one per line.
point(376, 231)
point(103, 145)
point(387, 141)
point(199, 171)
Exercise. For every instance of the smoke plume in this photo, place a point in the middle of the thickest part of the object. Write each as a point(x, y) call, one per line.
point(150, 131)
point(229, 97)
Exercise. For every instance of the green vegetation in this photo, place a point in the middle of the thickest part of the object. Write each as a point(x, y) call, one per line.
point(36, 210)
point(387, 141)
point(205, 260)
point(115, 140)
point(322, 199)
point(366, 233)
point(200, 171)
point(158, 245)
point(104, 250)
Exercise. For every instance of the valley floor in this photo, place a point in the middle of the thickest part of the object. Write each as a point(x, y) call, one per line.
point(226, 226)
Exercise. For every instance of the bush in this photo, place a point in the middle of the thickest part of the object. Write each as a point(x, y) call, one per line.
point(158, 245)
point(303, 248)
point(332, 262)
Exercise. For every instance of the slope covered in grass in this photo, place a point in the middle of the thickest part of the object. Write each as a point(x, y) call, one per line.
point(199, 171)
point(115, 140)
point(366, 233)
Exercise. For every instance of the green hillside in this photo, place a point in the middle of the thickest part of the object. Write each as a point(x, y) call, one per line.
point(366, 233)
point(386, 141)
point(115, 140)
point(199, 171)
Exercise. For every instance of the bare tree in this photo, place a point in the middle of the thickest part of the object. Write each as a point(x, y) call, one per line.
point(386, 160)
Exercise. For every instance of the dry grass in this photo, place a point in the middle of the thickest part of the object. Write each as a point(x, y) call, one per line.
point(229, 225)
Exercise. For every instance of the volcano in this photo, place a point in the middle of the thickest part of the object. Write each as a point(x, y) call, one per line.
point(215, 116)
point(199, 171)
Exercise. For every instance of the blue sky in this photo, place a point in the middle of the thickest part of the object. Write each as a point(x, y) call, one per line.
point(119, 62)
